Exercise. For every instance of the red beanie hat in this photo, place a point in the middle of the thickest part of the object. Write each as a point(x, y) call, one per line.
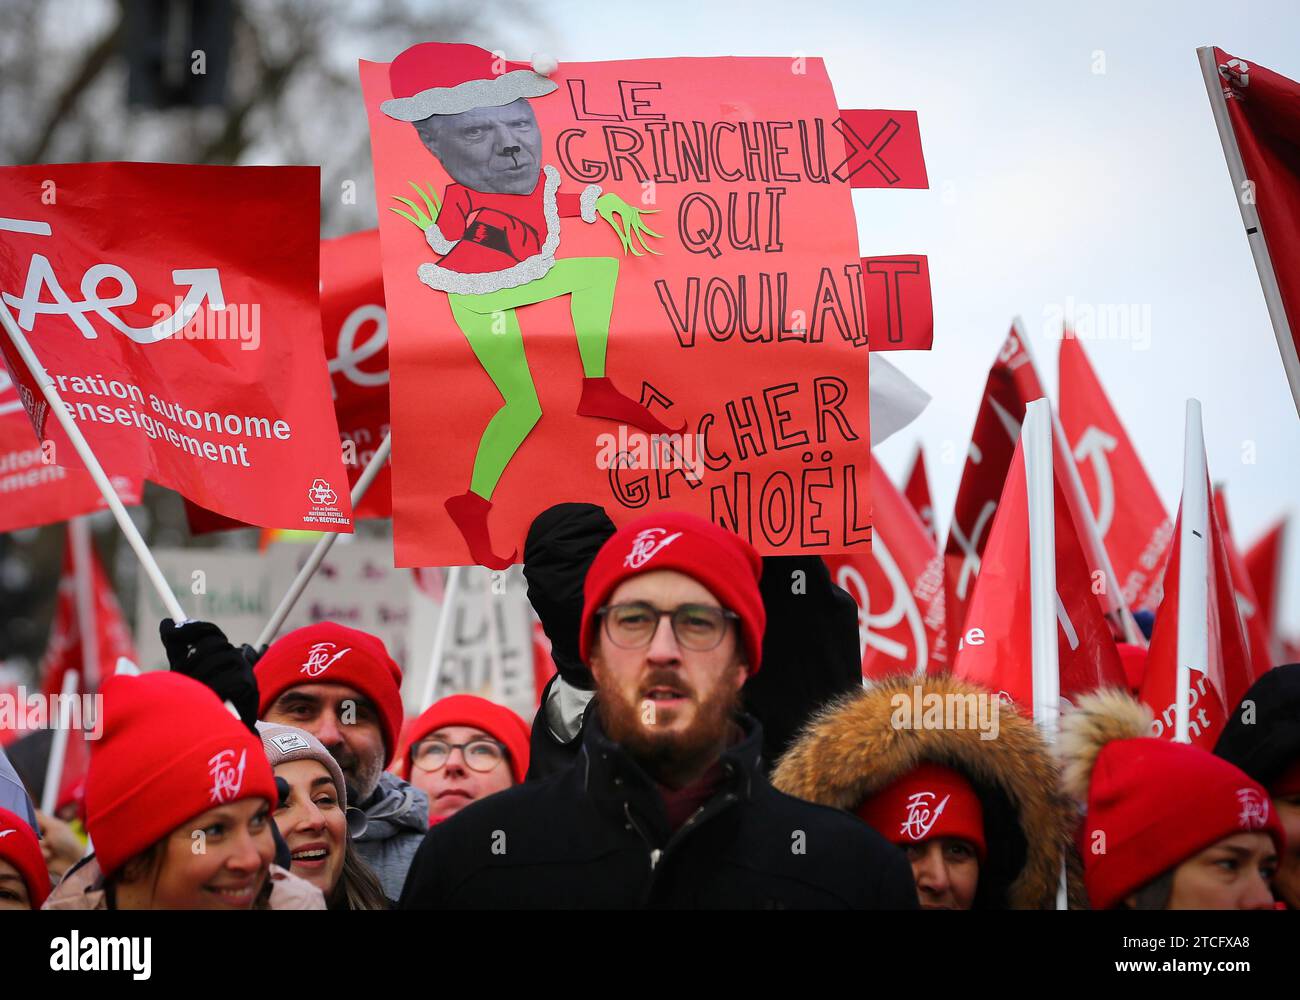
point(170, 750)
point(329, 653)
point(471, 710)
point(1134, 659)
point(724, 563)
point(928, 801)
point(1158, 803)
point(20, 847)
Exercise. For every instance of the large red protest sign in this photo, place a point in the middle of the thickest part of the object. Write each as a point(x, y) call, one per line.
point(544, 324)
point(34, 489)
point(1130, 517)
point(898, 587)
point(185, 341)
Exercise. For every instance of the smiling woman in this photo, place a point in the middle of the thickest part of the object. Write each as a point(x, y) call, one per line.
point(178, 805)
point(313, 820)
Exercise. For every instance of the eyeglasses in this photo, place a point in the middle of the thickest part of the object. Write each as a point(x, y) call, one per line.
point(698, 627)
point(480, 754)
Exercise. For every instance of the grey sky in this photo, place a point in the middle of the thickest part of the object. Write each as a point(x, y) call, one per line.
point(1071, 155)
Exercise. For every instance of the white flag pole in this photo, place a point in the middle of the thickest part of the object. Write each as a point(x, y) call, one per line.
point(1193, 570)
point(83, 568)
point(322, 546)
point(1089, 534)
point(82, 447)
point(431, 680)
point(59, 746)
point(1036, 441)
point(1250, 220)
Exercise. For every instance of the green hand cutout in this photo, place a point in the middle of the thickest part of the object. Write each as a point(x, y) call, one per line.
point(626, 222)
point(422, 217)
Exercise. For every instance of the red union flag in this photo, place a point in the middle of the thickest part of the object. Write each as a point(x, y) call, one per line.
point(356, 346)
point(917, 492)
point(997, 639)
point(1252, 619)
point(35, 490)
point(112, 633)
point(181, 331)
point(898, 589)
point(1012, 384)
point(1264, 564)
point(1261, 141)
point(1215, 689)
point(1130, 517)
point(355, 326)
point(663, 248)
point(112, 640)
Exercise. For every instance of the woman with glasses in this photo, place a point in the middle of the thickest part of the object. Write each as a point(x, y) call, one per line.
point(462, 749)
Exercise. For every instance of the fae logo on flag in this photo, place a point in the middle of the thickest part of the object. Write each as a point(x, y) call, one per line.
point(1236, 73)
point(227, 777)
point(920, 818)
point(646, 545)
point(319, 659)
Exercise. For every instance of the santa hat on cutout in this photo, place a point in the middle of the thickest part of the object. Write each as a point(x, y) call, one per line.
point(446, 78)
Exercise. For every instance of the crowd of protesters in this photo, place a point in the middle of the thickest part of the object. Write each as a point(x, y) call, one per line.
point(706, 742)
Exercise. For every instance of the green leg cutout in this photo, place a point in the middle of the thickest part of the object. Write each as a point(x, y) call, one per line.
point(501, 353)
point(591, 305)
point(491, 326)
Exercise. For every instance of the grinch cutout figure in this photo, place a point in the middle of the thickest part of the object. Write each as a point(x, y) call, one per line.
point(496, 231)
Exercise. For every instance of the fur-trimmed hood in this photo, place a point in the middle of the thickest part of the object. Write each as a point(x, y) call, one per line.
point(852, 749)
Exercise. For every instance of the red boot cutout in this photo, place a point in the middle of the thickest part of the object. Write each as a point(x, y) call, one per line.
point(469, 511)
point(601, 399)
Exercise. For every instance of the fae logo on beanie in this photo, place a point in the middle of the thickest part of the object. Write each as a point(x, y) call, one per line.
point(319, 659)
point(1254, 809)
point(227, 778)
point(920, 819)
point(646, 544)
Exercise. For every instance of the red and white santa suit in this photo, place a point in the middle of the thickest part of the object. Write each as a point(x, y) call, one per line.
point(489, 241)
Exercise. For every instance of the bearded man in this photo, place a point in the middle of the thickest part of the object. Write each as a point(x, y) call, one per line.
point(666, 805)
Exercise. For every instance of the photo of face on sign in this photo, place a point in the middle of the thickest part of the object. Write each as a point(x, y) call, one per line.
point(722, 340)
point(496, 229)
point(493, 150)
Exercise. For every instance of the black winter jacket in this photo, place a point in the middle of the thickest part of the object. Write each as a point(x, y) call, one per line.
point(596, 836)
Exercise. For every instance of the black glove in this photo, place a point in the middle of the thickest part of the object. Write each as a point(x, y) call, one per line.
point(202, 651)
